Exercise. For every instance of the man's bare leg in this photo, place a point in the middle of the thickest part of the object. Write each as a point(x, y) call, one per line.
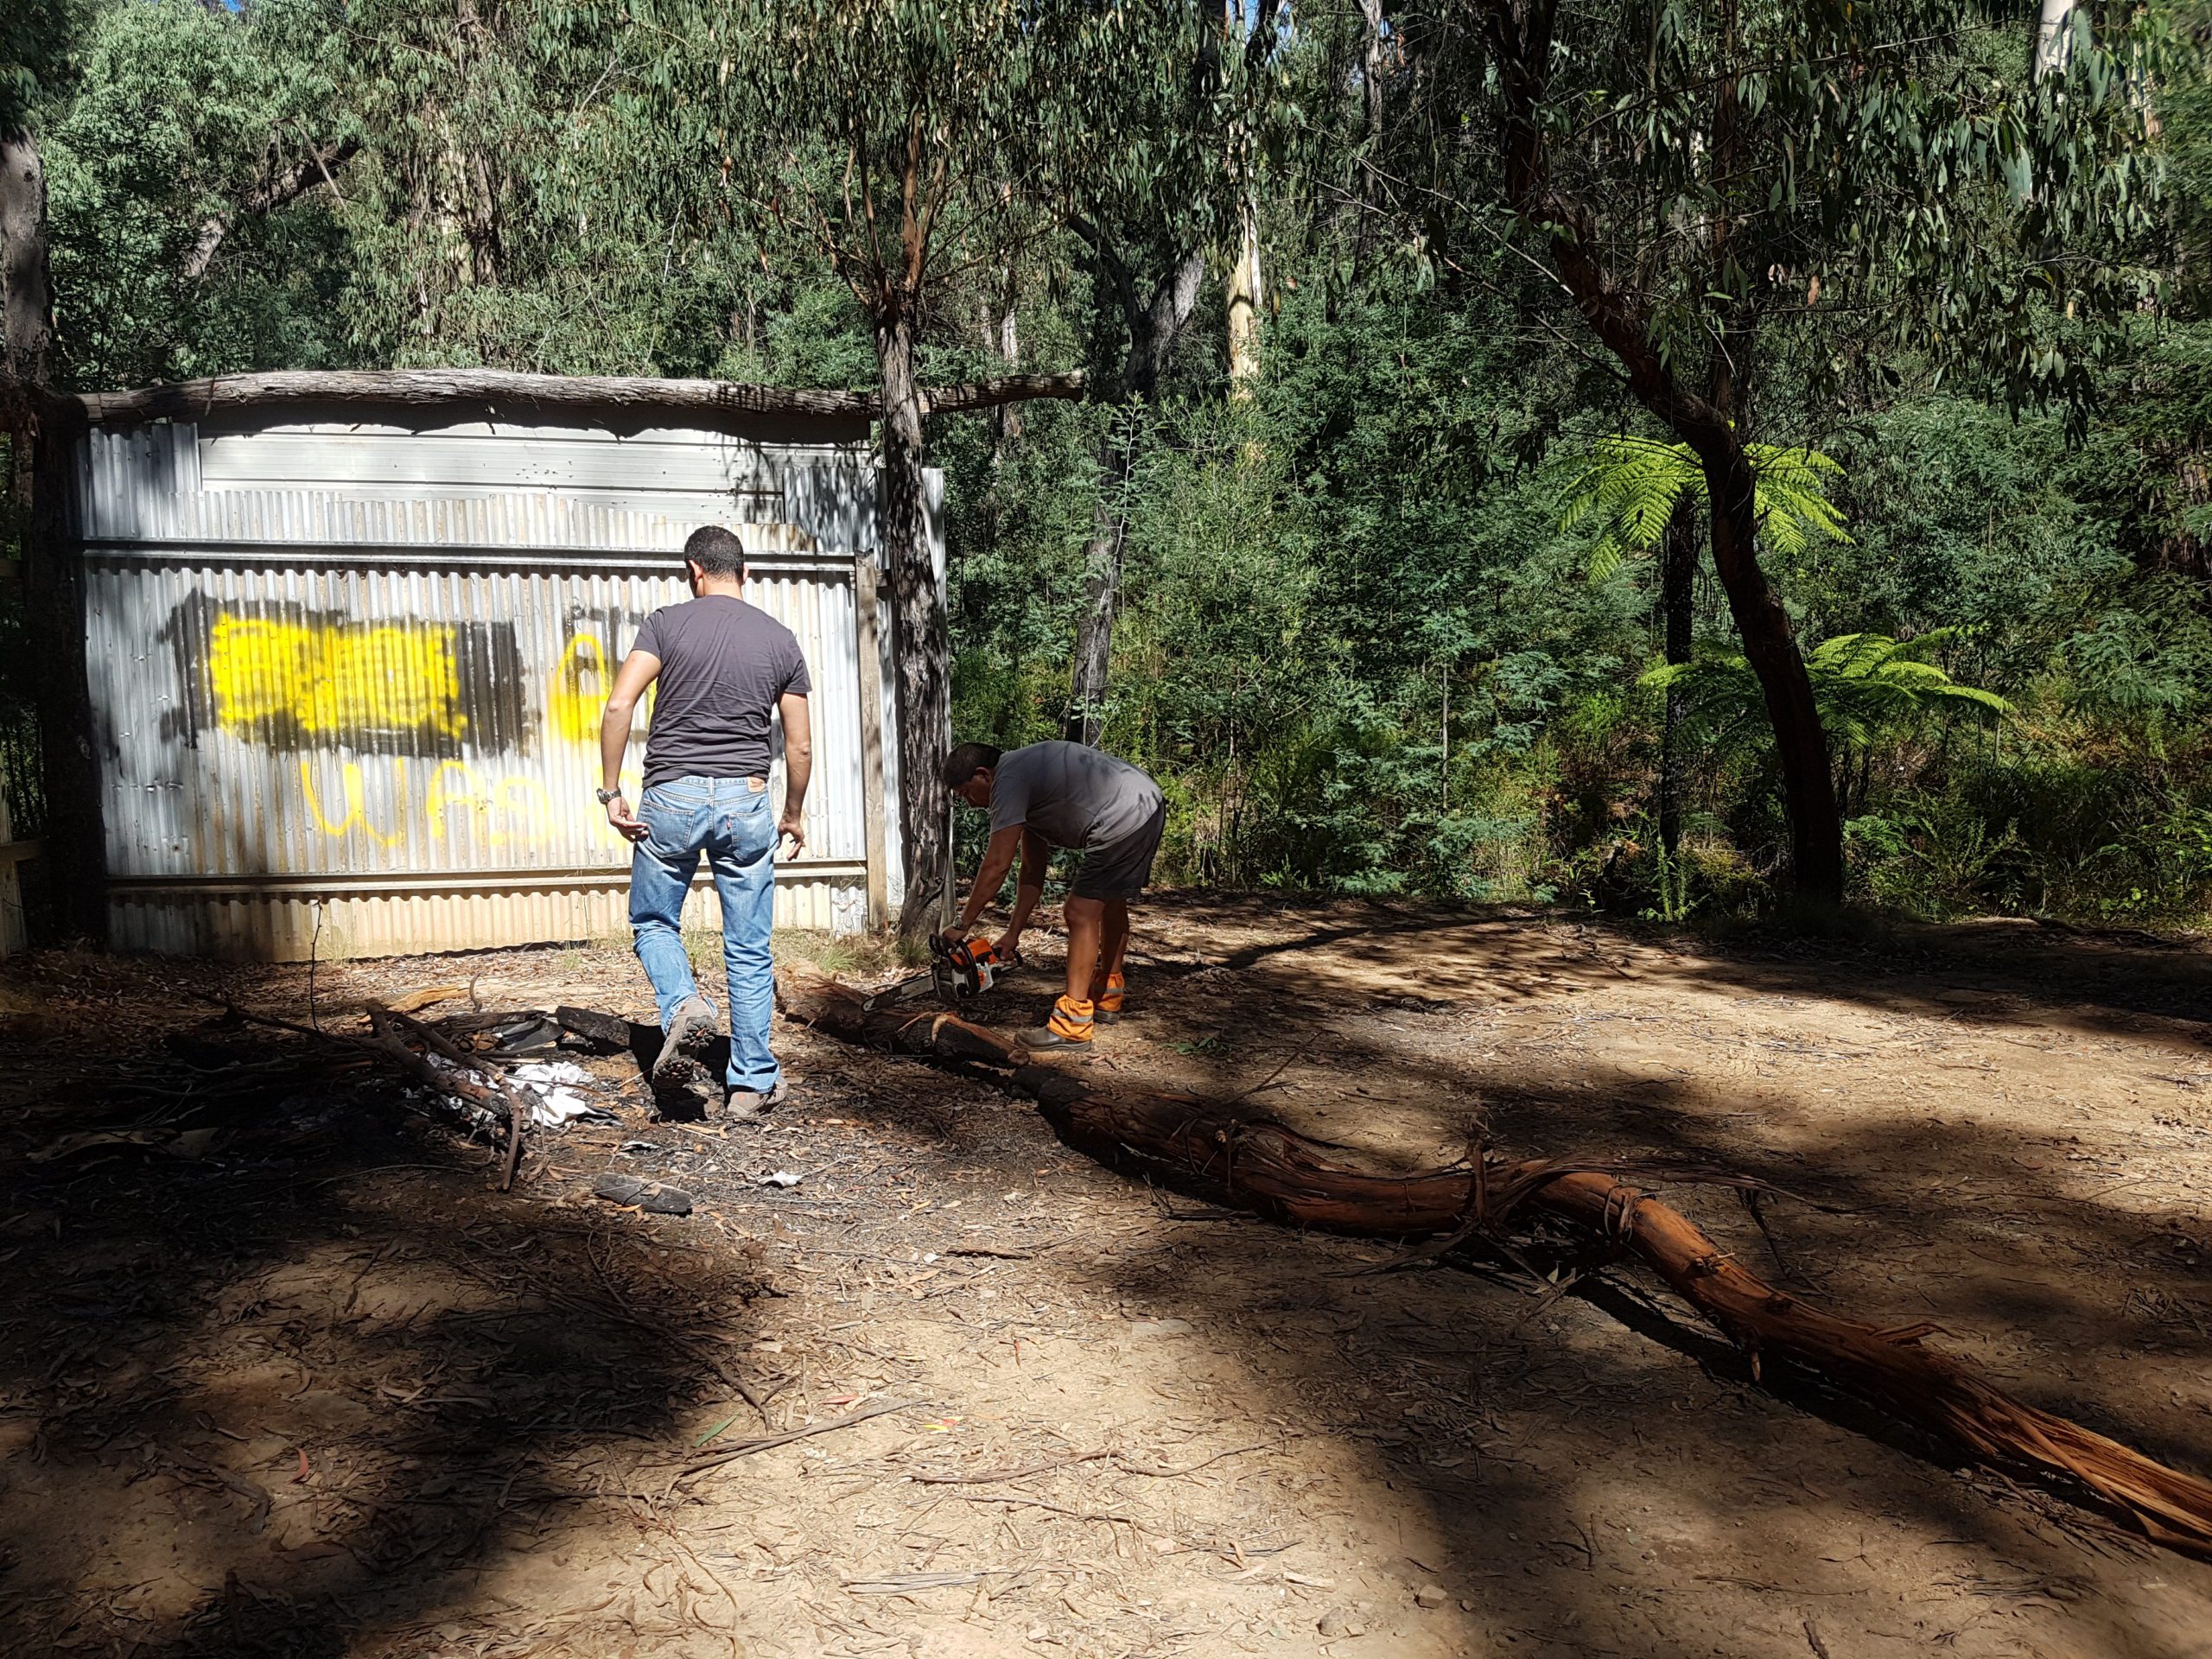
point(1113, 946)
point(1086, 920)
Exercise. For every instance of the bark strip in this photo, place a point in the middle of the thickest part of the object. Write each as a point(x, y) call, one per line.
point(190, 400)
point(1268, 1167)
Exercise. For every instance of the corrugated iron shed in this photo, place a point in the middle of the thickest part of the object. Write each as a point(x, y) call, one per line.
point(347, 673)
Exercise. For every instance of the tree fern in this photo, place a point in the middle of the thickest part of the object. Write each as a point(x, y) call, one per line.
point(1633, 486)
point(1867, 685)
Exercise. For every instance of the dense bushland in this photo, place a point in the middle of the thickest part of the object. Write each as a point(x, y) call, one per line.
point(1355, 633)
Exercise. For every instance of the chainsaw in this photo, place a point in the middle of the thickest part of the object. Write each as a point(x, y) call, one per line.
point(956, 973)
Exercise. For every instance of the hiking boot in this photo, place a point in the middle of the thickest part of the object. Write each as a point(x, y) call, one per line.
point(1069, 1028)
point(1106, 1001)
point(691, 1025)
point(746, 1105)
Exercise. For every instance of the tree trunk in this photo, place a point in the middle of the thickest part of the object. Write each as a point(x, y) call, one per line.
point(1370, 73)
point(1257, 1164)
point(1155, 325)
point(920, 634)
point(2054, 47)
point(45, 432)
point(1102, 588)
point(1677, 588)
point(1245, 298)
point(1800, 743)
point(278, 188)
point(1008, 416)
point(26, 305)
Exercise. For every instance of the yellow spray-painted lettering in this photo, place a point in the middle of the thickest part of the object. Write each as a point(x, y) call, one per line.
point(496, 810)
point(527, 806)
point(453, 786)
point(571, 710)
point(328, 681)
point(356, 815)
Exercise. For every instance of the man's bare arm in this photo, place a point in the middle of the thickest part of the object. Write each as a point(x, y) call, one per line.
point(1035, 856)
point(998, 859)
point(798, 766)
point(630, 680)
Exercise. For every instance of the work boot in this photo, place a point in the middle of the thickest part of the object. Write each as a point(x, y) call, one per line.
point(746, 1105)
point(692, 1024)
point(1106, 999)
point(1069, 1028)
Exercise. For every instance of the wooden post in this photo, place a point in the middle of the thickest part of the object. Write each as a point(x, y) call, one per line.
point(13, 936)
point(865, 604)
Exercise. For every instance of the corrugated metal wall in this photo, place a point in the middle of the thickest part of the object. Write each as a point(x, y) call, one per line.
point(348, 681)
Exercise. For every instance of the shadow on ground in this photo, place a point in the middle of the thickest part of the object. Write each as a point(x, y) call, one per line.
point(313, 1380)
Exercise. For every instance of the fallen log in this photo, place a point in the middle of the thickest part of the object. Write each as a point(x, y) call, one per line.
point(1266, 1166)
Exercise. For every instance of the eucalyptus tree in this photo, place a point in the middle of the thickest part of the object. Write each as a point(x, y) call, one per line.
point(1146, 230)
point(910, 142)
point(1876, 190)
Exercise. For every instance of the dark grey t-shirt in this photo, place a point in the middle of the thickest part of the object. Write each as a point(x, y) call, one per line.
point(723, 664)
point(1071, 794)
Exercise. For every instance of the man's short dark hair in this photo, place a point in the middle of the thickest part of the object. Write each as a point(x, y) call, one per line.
point(967, 760)
point(716, 550)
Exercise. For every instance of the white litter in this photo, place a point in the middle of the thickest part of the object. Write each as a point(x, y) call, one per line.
point(551, 1088)
point(781, 1178)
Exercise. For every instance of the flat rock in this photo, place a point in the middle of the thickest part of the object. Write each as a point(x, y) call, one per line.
point(652, 1197)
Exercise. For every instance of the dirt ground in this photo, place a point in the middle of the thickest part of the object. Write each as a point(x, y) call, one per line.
point(295, 1379)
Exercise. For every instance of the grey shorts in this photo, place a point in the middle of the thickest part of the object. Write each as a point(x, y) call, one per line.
point(1121, 868)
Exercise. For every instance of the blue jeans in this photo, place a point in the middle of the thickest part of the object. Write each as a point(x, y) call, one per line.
point(728, 819)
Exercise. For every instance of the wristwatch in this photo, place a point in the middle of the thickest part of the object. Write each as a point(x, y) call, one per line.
point(607, 796)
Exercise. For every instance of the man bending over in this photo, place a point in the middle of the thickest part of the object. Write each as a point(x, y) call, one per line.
point(1064, 795)
point(723, 667)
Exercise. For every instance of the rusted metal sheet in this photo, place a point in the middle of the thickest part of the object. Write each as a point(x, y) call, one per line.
point(353, 723)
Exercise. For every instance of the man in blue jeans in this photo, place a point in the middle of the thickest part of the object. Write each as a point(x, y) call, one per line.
point(723, 666)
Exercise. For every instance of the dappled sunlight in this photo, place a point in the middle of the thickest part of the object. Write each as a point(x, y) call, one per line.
point(1123, 1417)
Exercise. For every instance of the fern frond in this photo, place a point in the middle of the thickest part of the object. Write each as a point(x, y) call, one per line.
point(1631, 487)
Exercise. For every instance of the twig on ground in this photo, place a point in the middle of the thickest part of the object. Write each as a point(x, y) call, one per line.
point(990, 1476)
point(1192, 1469)
point(703, 1462)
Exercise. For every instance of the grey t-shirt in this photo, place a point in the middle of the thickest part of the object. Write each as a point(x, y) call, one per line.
point(1071, 794)
point(723, 664)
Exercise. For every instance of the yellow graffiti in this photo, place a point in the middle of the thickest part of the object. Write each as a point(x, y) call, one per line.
point(504, 809)
point(326, 682)
point(526, 803)
point(356, 811)
point(454, 785)
point(571, 710)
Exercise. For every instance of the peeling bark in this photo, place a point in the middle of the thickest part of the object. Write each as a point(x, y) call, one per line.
point(1265, 1166)
point(918, 627)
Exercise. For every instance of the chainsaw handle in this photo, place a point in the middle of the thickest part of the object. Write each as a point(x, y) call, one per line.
point(959, 955)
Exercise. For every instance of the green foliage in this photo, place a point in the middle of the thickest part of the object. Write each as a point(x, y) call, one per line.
point(1877, 191)
point(1632, 487)
point(38, 41)
point(1363, 640)
point(1870, 688)
point(175, 109)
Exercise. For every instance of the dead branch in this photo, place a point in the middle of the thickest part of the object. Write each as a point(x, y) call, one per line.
point(1266, 1166)
point(193, 400)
